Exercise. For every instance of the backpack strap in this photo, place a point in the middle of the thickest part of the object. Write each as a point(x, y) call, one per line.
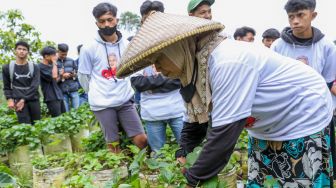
point(31, 68)
point(11, 72)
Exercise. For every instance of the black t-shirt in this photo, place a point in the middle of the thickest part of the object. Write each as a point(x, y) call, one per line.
point(25, 85)
point(50, 88)
point(303, 41)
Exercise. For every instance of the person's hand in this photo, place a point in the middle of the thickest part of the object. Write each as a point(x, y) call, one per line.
point(10, 104)
point(62, 71)
point(19, 105)
point(182, 160)
point(155, 71)
point(66, 75)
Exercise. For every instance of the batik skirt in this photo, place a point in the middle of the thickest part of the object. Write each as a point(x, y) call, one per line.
point(303, 162)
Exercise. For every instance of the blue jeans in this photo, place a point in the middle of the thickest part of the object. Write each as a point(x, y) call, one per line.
point(156, 131)
point(74, 97)
point(83, 98)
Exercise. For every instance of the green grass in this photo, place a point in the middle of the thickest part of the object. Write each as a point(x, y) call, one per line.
point(2, 96)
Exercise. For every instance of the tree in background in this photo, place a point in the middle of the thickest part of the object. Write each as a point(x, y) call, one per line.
point(129, 21)
point(12, 29)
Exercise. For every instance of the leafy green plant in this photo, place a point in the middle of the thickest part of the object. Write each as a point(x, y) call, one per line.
point(80, 166)
point(94, 142)
point(242, 142)
point(52, 161)
point(4, 110)
point(5, 169)
point(79, 181)
point(19, 135)
point(167, 152)
point(162, 170)
point(135, 166)
point(192, 157)
point(7, 180)
point(232, 165)
point(102, 160)
point(7, 120)
point(68, 123)
point(79, 118)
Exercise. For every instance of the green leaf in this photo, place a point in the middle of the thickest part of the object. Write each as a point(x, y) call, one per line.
point(6, 180)
point(211, 183)
point(167, 175)
point(5, 169)
point(152, 164)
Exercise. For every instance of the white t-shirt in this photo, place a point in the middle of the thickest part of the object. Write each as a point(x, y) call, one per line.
point(104, 90)
point(321, 56)
point(159, 106)
point(288, 99)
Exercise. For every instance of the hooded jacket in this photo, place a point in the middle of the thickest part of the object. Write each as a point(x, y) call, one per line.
point(319, 53)
point(105, 90)
point(287, 36)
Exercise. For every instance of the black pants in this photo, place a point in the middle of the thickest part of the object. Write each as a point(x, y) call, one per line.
point(192, 135)
point(56, 107)
point(30, 112)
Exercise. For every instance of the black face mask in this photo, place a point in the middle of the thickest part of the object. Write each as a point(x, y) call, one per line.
point(189, 90)
point(108, 31)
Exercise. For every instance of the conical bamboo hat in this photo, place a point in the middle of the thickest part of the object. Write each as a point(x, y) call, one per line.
point(159, 31)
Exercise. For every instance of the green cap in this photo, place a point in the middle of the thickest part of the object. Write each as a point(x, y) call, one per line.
point(194, 3)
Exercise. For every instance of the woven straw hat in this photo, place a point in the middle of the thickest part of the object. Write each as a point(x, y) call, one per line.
point(159, 31)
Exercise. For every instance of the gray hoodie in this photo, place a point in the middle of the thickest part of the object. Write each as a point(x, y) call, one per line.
point(319, 52)
point(287, 36)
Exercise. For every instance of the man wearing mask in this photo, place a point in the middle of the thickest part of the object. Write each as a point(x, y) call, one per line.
point(53, 95)
point(110, 99)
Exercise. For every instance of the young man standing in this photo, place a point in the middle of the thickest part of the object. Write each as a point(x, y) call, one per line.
point(68, 73)
point(308, 44)
point(53, 95)
point(244, 34)
point(200, 8)
point(110, 99)
point(21, 81)
point(269, 36)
